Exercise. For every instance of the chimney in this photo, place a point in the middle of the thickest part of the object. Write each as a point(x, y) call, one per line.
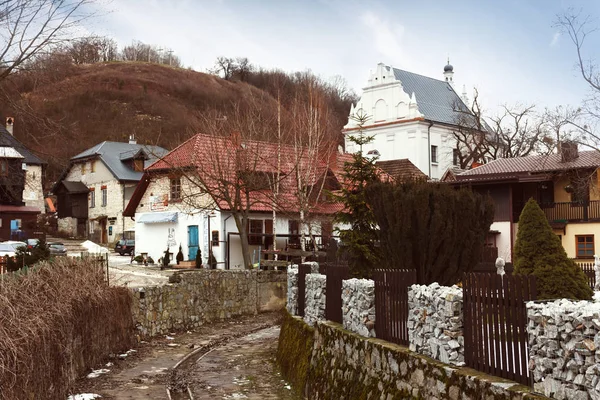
point(10, 121)
point(236, 139)
point(132, 139)
point(568, 151)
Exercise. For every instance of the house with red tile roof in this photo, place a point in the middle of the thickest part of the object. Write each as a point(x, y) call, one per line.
point(566, 185)
point(190, 198)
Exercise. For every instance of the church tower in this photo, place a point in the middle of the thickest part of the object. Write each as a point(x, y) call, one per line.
point(449, 73)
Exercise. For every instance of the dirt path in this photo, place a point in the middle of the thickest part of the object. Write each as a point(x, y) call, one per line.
point(241, 369)
point(145, 373)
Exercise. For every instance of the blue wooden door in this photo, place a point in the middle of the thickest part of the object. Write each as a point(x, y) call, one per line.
point(192, 242)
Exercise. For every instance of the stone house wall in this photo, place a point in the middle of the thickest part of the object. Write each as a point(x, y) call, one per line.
point(358, 306)
point(564, 348)
point(435, 322)
point(204, 296)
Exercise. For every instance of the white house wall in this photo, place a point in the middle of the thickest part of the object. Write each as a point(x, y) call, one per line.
point(503, 239)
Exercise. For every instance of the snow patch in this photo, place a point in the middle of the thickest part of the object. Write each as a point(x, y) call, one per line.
point(97, 372)
point(84, 396)
point(93, 247)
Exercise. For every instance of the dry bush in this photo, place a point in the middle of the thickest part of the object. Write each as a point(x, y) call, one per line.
point(57, 321)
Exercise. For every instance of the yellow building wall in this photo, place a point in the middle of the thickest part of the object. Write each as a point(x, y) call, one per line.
point(573, 229)
point(560, 195)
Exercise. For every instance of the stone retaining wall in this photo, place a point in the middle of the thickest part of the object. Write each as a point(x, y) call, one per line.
point(435, 322)
point(314, 305)
point(358, 305)
point(203, 296)
point(564, 346)
point(344, 365)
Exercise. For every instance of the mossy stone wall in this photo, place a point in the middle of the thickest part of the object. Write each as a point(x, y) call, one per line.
point(344, 365)
point(294, 350)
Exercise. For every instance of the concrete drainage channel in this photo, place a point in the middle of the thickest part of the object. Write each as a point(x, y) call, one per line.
point(178, 386)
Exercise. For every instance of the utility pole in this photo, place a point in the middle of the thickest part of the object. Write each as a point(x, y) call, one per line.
point(170, 51)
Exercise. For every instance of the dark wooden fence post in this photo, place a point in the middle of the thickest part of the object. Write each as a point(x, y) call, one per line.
point(336, 273)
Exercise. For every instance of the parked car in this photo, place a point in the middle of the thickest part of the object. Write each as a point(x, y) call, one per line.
point(125, 247)
point(31, 243)
point(9, 248)
point(57, 249)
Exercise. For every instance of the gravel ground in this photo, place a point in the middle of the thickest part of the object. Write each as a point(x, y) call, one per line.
point(240, 349)
point(241, 369)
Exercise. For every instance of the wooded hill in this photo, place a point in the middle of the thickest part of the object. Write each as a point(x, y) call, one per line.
point(61, 109)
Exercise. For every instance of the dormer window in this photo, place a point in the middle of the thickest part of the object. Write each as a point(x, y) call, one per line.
point(138, 165)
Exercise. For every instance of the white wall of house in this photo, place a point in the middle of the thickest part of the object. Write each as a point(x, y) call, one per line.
point(503, 239)
point(33, 192)
point(398, 127)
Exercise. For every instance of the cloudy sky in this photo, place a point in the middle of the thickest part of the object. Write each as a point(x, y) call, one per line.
point(508, 49)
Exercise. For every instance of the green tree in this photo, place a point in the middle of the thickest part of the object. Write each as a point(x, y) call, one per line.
point(360, 238)
point(433, 228)
point(538, 252)
point(25, 257)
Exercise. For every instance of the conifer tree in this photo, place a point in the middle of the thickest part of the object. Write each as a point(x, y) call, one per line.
point(359, 239)
point(538, 252)
point(430, 227)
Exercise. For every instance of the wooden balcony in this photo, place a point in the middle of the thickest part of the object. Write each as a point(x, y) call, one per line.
point(572, 211)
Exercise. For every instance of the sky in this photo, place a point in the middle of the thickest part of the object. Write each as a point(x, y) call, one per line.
point(508, 50)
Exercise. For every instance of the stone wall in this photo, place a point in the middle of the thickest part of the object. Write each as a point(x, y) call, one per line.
point(292, 290)
point(435, 322)
point(564, 348)
point(344, 365)
point(202, 296)
point(358, 306)
point(314, 305)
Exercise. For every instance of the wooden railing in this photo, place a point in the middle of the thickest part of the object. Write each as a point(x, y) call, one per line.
point(572, 211)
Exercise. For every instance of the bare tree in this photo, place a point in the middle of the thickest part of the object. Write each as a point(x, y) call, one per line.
point(224, 67)
point(579, 27)
point(470, 133)
point(31, 27)
point(313, 154)
point(517, 131)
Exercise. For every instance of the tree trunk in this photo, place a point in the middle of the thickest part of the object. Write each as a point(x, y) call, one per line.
point(241, 223)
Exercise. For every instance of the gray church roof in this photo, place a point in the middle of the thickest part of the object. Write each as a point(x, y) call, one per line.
point(436, 99)
point(113, 154)
point(8, 140)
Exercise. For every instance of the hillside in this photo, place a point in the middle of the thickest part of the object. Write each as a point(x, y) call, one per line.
point(64, 110)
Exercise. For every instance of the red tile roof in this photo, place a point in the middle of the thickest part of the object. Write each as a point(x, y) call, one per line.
point(219, 159)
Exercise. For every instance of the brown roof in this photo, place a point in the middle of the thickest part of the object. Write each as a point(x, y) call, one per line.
point(513, 167)
point(402, 169)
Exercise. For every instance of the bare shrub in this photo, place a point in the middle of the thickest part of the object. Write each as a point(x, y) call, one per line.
point(57, 321)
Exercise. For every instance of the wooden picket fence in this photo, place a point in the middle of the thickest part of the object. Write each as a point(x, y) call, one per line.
point(336, 273)
point(391, 303)
point(588, 270)
point(495, 320)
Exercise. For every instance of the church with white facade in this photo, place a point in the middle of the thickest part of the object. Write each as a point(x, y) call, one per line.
point(411, 116)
